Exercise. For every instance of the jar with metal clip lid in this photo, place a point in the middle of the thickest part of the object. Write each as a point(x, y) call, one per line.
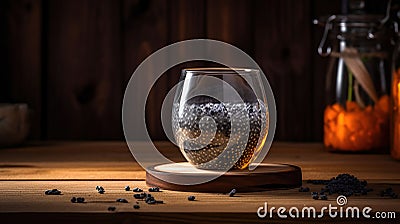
point(356, 117)
point(395, 122)
point(395, 106)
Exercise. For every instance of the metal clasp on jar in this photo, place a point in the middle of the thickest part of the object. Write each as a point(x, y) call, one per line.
point(328, 27)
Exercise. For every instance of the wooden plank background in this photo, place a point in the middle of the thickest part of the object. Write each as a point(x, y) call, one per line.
point(21, 56)
point(71, 60)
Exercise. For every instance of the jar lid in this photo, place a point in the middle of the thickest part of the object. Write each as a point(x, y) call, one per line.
point(352, 20)
point(358, 27)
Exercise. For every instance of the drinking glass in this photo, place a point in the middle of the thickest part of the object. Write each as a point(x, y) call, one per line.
point(220, 117)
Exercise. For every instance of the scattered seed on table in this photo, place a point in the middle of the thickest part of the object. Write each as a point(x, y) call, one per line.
point(304, 189)
point(100, 189)
point(147, 200)
point(127, 188)
point(52, 192)
point(344, 184)
point(191, 198)
point(323, 197)
point(136, 189)
point(111, 208)
point(136, 206)
point(140, 196)
point(73, 199)
point(122, 200)
point(150, 200)
point(389, 192)
point(314, 195)
point(232, 192)
point(80, 200)
point(154, 189)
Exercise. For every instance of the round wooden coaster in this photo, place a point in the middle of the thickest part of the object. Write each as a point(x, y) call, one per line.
point(265, 177)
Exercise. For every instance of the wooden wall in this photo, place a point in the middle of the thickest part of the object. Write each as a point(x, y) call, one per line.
point(71, 60)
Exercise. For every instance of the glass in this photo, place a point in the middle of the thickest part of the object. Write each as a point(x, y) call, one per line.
point(357, 116)
point(220, 117)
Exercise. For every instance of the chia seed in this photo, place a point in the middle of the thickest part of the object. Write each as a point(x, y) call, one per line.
point(150, 200)
point(140, 196)
point(343, 184)
point(154, 189)
point(136, 189)
point(100, 189)
point(203, 152)
point(388, 192)
point(314, 195)
point(323, 197)
point(232, 193)
point(304, 189)
point(52, 192)
point(122, 200)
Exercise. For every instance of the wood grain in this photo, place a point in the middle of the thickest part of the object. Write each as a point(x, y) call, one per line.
point(84, 70)
point(223, 23)
point(282, 48)
point(113, 160)
point(186, 21)
point(144, 32)
point(16, 197)
point(20, 76)
point(76, 168)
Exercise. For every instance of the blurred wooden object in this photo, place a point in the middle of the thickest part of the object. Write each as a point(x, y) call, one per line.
point(14, 124)
point(22, 75)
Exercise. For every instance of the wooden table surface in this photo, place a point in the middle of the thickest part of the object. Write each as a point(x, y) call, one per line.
point(76, 168)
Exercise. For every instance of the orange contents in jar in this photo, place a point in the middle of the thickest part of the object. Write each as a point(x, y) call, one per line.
point(395, 147)
point(356, 129)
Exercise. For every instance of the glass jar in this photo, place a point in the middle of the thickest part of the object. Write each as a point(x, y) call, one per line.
point(395, 128)
point(356, 117)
